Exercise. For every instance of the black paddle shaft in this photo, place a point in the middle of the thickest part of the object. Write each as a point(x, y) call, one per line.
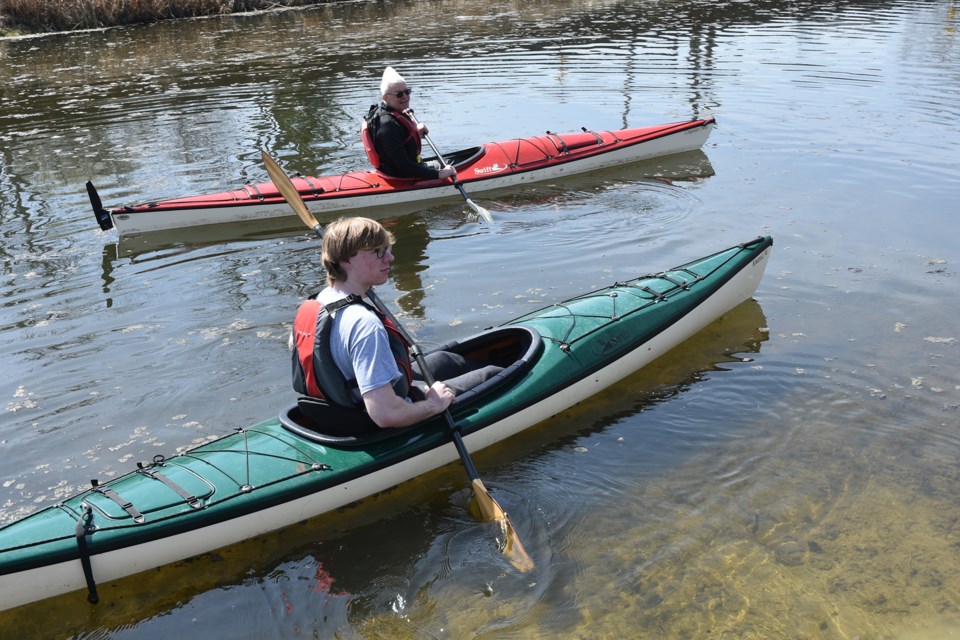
point(428, 378)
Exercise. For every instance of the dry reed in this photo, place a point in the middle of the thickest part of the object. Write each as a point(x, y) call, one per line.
point(65, 15)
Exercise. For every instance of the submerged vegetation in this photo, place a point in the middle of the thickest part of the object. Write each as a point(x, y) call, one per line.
point(39, 16)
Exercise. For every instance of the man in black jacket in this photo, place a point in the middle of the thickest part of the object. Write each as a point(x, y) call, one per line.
point(396, 137)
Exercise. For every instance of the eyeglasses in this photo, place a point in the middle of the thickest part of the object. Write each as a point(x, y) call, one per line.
point(400, 94)
point(382, 252)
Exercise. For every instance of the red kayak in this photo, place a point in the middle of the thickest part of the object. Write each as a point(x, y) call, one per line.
point(495, 165)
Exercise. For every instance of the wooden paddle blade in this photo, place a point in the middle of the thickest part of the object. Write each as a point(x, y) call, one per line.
point(289, 192)
point(492, 512)
point(512, 548)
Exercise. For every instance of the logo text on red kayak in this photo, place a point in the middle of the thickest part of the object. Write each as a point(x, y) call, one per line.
point(494, 168)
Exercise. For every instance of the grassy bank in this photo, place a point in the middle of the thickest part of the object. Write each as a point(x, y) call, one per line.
point(39, 16)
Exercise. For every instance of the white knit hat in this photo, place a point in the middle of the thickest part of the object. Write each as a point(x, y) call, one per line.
point(390, 76)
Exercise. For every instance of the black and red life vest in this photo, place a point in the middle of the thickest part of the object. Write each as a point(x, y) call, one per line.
point(315, 374)
point(370, 125)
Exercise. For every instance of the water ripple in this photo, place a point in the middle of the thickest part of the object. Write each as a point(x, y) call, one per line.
point(810, 437)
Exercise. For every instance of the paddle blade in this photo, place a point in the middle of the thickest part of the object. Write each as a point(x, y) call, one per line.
point(285, 185)
point(480, 211)
point(483, 213)
point(492, 512)
point(102, 215)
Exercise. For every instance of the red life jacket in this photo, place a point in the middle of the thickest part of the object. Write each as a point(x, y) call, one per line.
point(315, 373)
point(368, 145)
point(370, 125)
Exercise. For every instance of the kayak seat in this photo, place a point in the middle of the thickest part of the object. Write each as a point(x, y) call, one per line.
point(319, 421)
point(515, 349)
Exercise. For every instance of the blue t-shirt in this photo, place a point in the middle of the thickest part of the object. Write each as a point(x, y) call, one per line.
point(360, 344)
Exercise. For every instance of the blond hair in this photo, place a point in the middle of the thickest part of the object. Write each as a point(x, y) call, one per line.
point(346, 237)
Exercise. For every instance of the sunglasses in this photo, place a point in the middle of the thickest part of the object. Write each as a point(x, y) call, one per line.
point(400, 94)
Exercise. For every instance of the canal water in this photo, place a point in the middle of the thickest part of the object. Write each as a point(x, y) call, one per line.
point(790, 472)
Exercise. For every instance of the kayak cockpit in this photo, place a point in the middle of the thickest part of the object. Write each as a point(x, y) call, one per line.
point(515, 349)
point(464, 157)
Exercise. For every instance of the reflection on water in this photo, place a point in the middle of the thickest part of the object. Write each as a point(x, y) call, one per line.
point(791, 472)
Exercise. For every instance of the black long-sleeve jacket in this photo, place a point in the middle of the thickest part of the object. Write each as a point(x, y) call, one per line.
point(398, 146)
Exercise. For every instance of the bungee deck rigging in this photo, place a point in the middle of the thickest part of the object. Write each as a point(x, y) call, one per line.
point(641, 292)
point(103, 514)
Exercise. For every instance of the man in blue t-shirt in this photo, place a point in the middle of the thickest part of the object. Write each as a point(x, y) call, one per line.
point(373, 368)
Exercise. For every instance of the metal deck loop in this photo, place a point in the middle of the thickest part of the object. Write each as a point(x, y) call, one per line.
point(150, 471)
point(126, 505)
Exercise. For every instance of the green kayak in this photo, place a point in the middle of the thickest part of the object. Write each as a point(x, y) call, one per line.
point(289, 468)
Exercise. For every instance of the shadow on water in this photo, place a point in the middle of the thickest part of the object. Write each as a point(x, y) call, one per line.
point(334, 574)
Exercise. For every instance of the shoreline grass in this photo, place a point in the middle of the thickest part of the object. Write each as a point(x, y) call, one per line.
point(24, 17)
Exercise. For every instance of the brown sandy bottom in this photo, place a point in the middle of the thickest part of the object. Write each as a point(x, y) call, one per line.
point(827, 537)
point(838, 529)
